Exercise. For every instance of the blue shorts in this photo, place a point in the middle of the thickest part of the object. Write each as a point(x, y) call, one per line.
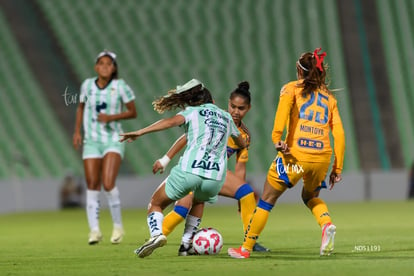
point(180, 183)
point(92, 149)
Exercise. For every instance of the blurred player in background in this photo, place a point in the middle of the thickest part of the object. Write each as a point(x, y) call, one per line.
point(71, 192)
point(235, 185)
point(309, 111)
point(203, 166)
point(101, 109)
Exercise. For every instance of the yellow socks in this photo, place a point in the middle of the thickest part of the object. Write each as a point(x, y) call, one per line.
point(261, 215)
point(319, 211)
point(247, 206)
point(245, 196)
point(257, 224)
point(173, 218)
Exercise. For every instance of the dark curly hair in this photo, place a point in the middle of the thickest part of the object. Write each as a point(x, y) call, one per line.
point(192, 97)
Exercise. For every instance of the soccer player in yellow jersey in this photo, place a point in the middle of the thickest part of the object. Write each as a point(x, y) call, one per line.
point(235, 185)
point(309, 112)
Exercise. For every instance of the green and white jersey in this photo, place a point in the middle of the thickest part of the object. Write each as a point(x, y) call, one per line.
point(207, 129)
point(108, 100)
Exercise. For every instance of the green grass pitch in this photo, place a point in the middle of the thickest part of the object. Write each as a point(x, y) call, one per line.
point(373, 238)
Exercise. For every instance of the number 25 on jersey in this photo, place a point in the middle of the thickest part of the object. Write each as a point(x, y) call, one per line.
point(307, 110)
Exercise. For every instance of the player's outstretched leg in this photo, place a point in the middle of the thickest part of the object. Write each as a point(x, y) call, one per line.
point(154, 221)
point(247, 200)
point(256, 226)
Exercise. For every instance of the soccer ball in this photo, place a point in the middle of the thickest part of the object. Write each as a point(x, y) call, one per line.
point(207, 241)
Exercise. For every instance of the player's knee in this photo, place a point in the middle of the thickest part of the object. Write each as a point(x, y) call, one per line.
point(307, 200)
point(186, 202)
point(93, 183)
point(108, 188)
point(308, 195)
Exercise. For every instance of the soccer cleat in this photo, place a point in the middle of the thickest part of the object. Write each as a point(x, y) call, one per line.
point(186, 250)
point(328, 236)
point(117, 235)
point(238, 253)
point(260, 248)
point(148, 247)
point(95, 237)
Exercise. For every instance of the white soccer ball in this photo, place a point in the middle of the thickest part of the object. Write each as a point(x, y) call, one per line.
point(207, 241)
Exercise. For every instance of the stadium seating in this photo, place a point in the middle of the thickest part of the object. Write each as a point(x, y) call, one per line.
point(397, 27)
point(219, 42)
point(32, 142)
point(222, 43)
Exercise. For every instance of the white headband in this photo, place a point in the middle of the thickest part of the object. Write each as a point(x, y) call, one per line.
point(301, 66)
point(187, 86)
point(106, 53)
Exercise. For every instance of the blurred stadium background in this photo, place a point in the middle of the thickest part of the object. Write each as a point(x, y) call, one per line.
point(48, 47)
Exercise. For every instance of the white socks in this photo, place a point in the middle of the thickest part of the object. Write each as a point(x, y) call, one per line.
point(154, 221)
point(191, 226)
point(114, 203)
point(92, 209)
point(93, 206)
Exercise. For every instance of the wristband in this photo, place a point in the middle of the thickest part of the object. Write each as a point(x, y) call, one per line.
point(164, 161)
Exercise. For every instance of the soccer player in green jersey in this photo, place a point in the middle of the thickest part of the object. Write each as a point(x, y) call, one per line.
point(100, 110)
point(203, 166)
point(235, 185)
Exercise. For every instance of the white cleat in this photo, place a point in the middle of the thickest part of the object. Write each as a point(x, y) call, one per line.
point(94, 237)
point(117, 235)
point(328, 236)
point(148, 247)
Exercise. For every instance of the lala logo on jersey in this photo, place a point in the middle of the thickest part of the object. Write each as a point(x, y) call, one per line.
point(206, 165)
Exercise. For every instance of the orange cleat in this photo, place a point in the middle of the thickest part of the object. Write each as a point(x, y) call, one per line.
point(238, 253)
